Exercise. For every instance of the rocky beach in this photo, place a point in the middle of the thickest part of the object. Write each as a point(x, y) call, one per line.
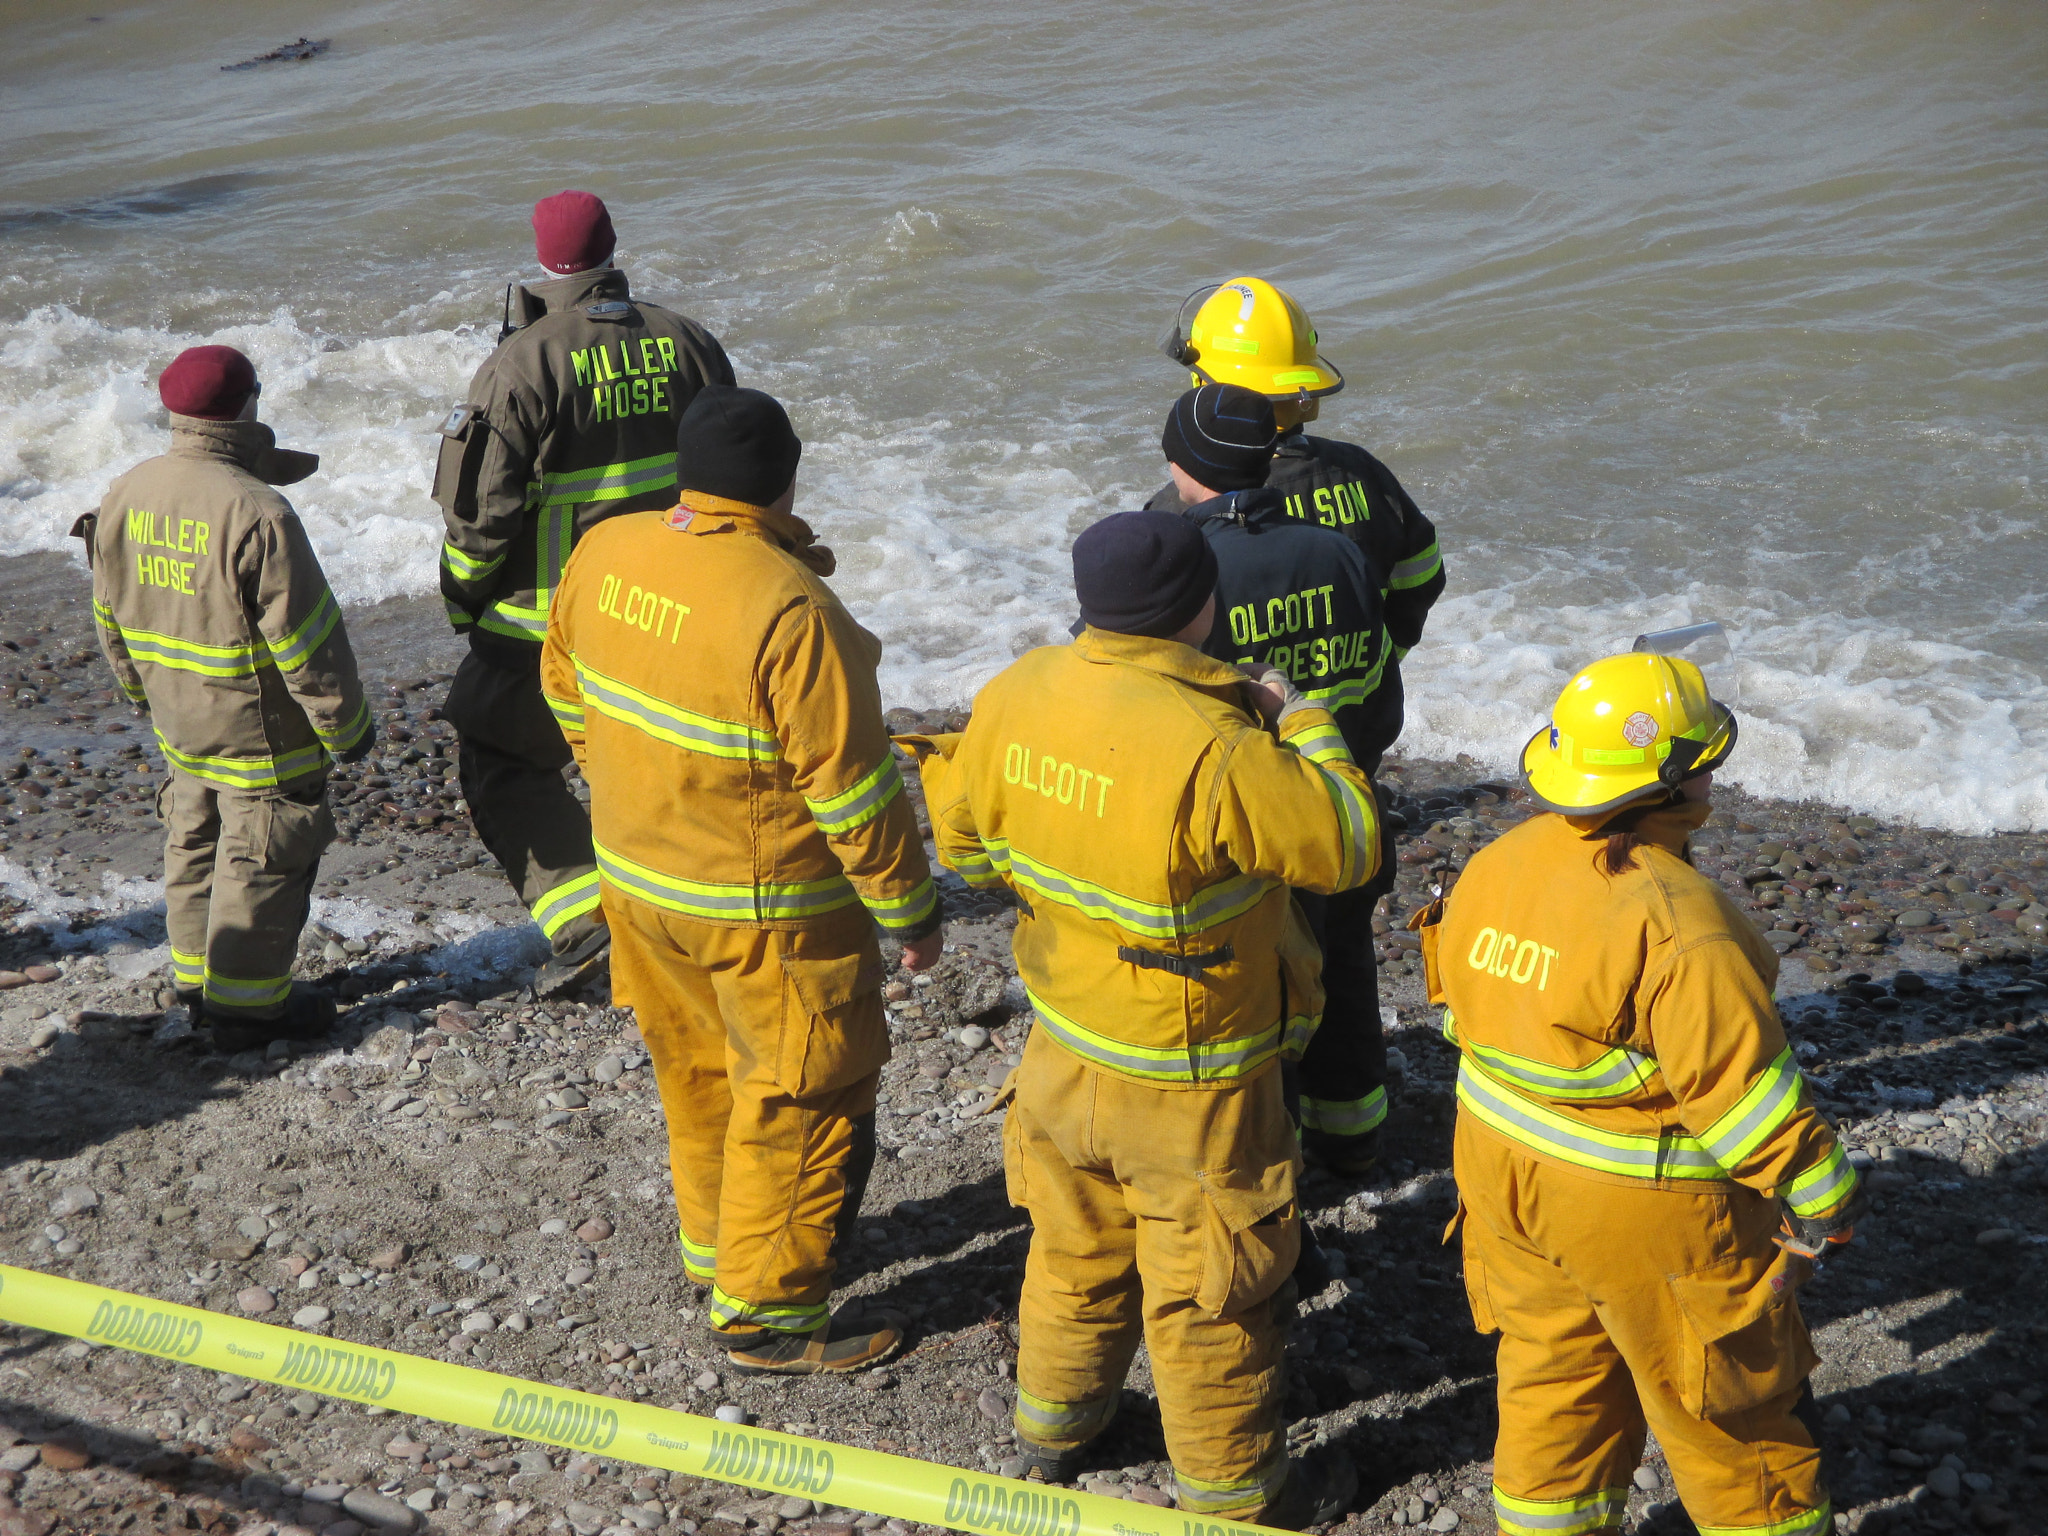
point(465, 1173)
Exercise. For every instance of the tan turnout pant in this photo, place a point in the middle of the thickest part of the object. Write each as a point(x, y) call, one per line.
point(239, 867)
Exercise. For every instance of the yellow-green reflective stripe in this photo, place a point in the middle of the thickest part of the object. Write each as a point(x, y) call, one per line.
point(1355, 822)
point(297, 648)
point(785, 1317)
point(1401, 651)
point(1823, 1186)
point(458, 615)
point(1344, 1117)
point(976, 869)
point(905, 911)
point(1352, 690)
point(464, 566)
point(190, 969)
point(1416, 569)
point(1767, 1104)
point(672, 724)
point(1572, 1141)
point(1821, 1519)
point(1209, 907)
point(1212, 1061)
point(702, 898)
point(105, 615)
point(1611, 1074)
point(862, 803)
point(191, 656)
point(557, 531)
point(566, 902)
point(517, 623)
point(700, 1259)
point(1298, 1032)
point(1200, 1497)
point(136, 693)
point(1063, 1420)
point(1321, 744)
point(568, 712)
point(234, 992)
point(608, 482)
point(244, 772)
point(1559, 1517)
point(346, 735)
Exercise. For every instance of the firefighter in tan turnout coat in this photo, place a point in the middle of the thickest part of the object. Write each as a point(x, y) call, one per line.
point(216, 618)
point(571, 421)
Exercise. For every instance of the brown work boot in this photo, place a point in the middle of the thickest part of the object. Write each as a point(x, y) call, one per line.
point(843, 1342)
point(1317, 1490)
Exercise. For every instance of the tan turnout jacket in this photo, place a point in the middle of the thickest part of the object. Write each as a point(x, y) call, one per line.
point(723, 706)
point(572, 420)
point(214, 613)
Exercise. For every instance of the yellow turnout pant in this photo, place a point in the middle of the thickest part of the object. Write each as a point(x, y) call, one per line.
point(1621, 1306)
point(1168, 1211)
point(767, 1044)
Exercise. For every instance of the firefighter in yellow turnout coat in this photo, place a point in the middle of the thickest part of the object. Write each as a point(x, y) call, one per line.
point(1633, 1134)
point(1150, 827)
point(750, 831)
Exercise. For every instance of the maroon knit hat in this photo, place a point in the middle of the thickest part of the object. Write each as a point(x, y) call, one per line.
point(572, 232)
point(209, 382)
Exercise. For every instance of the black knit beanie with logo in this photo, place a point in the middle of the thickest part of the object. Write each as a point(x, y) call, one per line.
point(1223, 435)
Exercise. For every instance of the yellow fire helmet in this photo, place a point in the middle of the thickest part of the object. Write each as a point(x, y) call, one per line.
point(1248, 332)
point(1626, 728)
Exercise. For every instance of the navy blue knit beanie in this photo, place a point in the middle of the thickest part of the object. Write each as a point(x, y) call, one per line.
point(1143, 573)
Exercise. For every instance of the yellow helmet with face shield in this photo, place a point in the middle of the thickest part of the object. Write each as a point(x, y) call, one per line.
point(1627, 728)
point(1250, 333)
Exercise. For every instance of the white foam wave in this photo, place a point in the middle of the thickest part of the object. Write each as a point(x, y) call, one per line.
point(952, 529)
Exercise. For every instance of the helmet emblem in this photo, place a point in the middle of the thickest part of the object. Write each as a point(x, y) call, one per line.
point(1553, 738)
point(1639, 729)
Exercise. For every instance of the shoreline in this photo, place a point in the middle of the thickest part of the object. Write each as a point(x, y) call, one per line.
point(469, 1175)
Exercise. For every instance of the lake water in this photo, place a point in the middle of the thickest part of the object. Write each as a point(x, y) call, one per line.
point(1664, 311)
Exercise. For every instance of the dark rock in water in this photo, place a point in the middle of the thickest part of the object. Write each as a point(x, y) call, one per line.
point(291, 53)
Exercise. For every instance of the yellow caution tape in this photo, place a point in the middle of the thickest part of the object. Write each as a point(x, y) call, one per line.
point(581, 1421)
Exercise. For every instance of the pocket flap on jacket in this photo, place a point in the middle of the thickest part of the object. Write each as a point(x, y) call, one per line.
point(826, 984)
point(1243, 1199)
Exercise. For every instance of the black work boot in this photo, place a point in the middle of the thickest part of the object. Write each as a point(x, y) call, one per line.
point(1318, 1489)
point(843, 1342)
point(563, 973)
point(1349, 1157)
point(307, 1016)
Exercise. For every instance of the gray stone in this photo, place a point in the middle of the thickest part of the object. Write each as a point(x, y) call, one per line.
point(311, 1317)
point(1444, 1520)
point(533, 1461)
point(1913, 917)
point(793, 1508)
point(993, 1405)
point(707, 1381)
point(554, 1227)
point(729, 1413)
point(1647, 1480)
point(75, 1199)
point(44, 1034)
point(254, 1228)
point(571, 1098)
point(1996, 1237)
point(974, 1037)
point(373, 1508)
point(1945, 1483)
point(479, 1322)
point(608, 1069)
point(420, 1499)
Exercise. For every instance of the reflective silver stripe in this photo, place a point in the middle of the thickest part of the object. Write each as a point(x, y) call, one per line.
point(859, 804)
point(1416, 569)
point(1204, 909)
point(297, 648)
point(1559, 1517)
point(1612, 1074)
point(1823, 1186)
point(464, 566)
point(608, 482)
point(905, 911)
point(1207, 1062)
point(671, 723)
point(342, 737)
point(1767, 1104)
point(784, 1317)
point(1344, 1117)
point(1648, 1157)
point(697, 898)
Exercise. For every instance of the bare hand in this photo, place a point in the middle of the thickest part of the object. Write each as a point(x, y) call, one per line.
point(1265, 698)
point(922, 954)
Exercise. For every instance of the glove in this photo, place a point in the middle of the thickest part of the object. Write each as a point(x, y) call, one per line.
point(1811, 1236)
point(1290, 696)
point(360, 750)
